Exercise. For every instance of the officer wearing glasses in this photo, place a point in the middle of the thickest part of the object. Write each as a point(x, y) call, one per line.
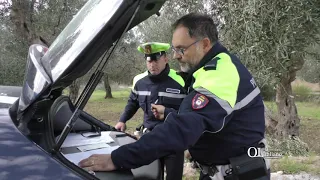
point(158, 84)
point(220, 119)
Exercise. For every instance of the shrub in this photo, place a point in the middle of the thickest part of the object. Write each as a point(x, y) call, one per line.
point(268, 93)
point(292, 146)
point(301, 92)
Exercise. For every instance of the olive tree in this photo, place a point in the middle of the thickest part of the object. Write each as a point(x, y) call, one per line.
point(33, 22)
point(271, 38)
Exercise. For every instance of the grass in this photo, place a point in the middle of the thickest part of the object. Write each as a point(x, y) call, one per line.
point(109, 111)
point(305, 109)
point(301, 90)
point(196, 177)
point(309, 114)
point(289, 166)
point(294, 165)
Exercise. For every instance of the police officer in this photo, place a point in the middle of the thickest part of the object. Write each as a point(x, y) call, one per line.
point(219, 120)
point(160, 85)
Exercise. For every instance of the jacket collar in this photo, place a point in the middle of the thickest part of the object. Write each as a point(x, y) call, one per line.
point(164, 74)
point(216, 49)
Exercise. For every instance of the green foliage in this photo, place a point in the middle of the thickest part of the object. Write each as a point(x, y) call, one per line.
point(269, 36)
point(47, 19)
point(127, 61)
point(301, 92)
point(159, 28)
point(268, 92)
point(310, 70)
point(304, 93)
point(53, 15)
point(289, 166)
point(308, 110)
point(294, 165)
point(292, 146)
point(13, 55)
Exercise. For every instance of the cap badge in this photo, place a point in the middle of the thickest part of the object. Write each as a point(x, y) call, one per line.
point(147, 49)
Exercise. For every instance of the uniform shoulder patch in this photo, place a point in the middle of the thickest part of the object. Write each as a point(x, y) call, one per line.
point(199, 101)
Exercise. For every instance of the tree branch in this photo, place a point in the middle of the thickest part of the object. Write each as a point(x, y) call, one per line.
point(59, 18)
point(31, 10)
point(45, 42)
point(40, 5)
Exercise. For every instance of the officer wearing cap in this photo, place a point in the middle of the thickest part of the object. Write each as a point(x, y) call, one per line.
point(160, 85)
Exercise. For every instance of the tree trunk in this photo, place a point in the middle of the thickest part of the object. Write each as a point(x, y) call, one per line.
point(270, 121)
point(288, 119)
point(289, 122)
point(22, 17)
point(74, 90)
point(107, 86)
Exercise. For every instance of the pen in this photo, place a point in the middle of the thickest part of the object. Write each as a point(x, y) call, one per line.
point(154, 103)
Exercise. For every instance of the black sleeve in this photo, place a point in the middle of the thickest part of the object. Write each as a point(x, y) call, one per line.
point(131, 108)
point(177, 133)
point(169, 110)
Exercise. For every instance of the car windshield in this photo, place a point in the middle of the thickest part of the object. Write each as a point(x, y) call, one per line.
point(78, 34)
point(87, 23)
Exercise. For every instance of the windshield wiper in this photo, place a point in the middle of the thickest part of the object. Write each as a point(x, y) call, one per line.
point(87, 92)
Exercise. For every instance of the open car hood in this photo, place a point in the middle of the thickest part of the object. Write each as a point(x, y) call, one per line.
point(91, 32)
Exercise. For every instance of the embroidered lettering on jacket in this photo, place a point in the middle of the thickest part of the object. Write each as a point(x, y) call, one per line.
point(175, 91)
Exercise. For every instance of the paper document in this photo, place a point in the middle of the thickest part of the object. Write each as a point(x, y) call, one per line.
point(77, 157)
point(77, 139)
point(93, 147)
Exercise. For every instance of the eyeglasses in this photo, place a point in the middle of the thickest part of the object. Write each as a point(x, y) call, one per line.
point(181, 51)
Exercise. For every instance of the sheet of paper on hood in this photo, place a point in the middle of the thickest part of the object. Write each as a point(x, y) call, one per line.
point(76, 139)
point(91, 147)
point(77, 157)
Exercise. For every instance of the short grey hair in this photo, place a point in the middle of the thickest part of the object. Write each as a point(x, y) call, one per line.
point(199, 26)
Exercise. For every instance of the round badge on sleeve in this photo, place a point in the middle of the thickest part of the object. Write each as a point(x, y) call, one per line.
point(199, 101)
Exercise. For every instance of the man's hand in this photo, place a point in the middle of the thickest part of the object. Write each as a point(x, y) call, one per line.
point(98, 162)
point(121, 126)
point(158, 111)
